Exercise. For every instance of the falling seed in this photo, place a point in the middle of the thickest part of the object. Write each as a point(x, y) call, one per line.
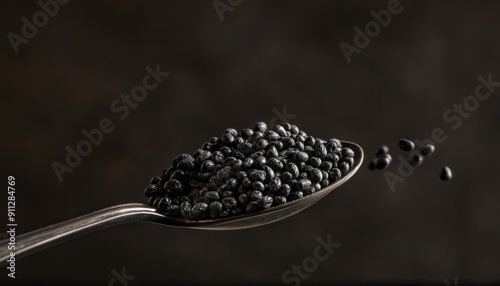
point(383, 149)
point(406, 145)
point(382, 163)
point(417, 160)
point(445, 174)
point(427, 150)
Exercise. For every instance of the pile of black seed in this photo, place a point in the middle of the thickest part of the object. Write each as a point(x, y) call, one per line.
point(247, 172)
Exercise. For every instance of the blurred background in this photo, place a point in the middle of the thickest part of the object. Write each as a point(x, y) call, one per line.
point(231, 64)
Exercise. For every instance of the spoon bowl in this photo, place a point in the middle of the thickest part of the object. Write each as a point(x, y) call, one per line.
point(42, 238)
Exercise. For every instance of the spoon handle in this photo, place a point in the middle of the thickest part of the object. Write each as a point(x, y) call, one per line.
point(29, 243)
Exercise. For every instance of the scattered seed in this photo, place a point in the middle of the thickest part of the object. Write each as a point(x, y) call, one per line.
point(406, 145)
point(445, 174)
point(417, 160)
point(383, 149)
point(427, 149)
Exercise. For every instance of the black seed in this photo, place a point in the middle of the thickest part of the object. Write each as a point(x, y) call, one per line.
point(180, 158)
point(336, 141)
point(243, 199)
point(199, 210)
point(382, 163)
point(445, 174)
point(231, 131)
point(271, 135)
point(237, 141)
point(316, 176)
point(279, 200)
point(155, 180)
point(266, 202)
point(151, 190)
point(344, 167)
point(185, 209)
point(215, 207)
point(347, 152)
point(238, 155)
point(240, 176)
point(206, 166)
point(388, 156)
point(258, 186)
point(427, 149)
point(257, 175)
point(173, 185)
point(417, 160)
point(246, 133)
point(229, 202)
point(383, 149)
point(287, 142)
point(334, 158)
point(269, 173)
point(186, 164)
point(236, 165)
point(236, 211)
point(217, 157)
point(260, 126)
point(309, 149)
point(406, 145)
point(259, 162)
point(320, 151)
point(284, 190)
point(247, 183)
point(325, 183)
point(349, 160)
point(261, 144)
point(256, 136)
point(301, 157)
point(310, 141)
point(274, 184)
point(277, 144)
point(293, 169)
point(252, 206)
point(303, 184)
point(335, 174)
point(296, 195)
point(315, 162)
point(326, 166)
point(299, 145)
point(227, 138)
point(302, 176)
point(245, 148)
point(275, 164)
point(286, 177)
point(247, 163)
point(294, 129)
point(280, 130)
point(226, 151)
point(212, 196)
point(271, 152)
point(173, 210)
point(255, 195)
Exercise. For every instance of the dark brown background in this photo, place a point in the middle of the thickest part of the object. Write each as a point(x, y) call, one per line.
point(232, 73)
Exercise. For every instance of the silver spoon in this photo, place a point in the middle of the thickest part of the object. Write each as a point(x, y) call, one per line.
point(37, 240)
